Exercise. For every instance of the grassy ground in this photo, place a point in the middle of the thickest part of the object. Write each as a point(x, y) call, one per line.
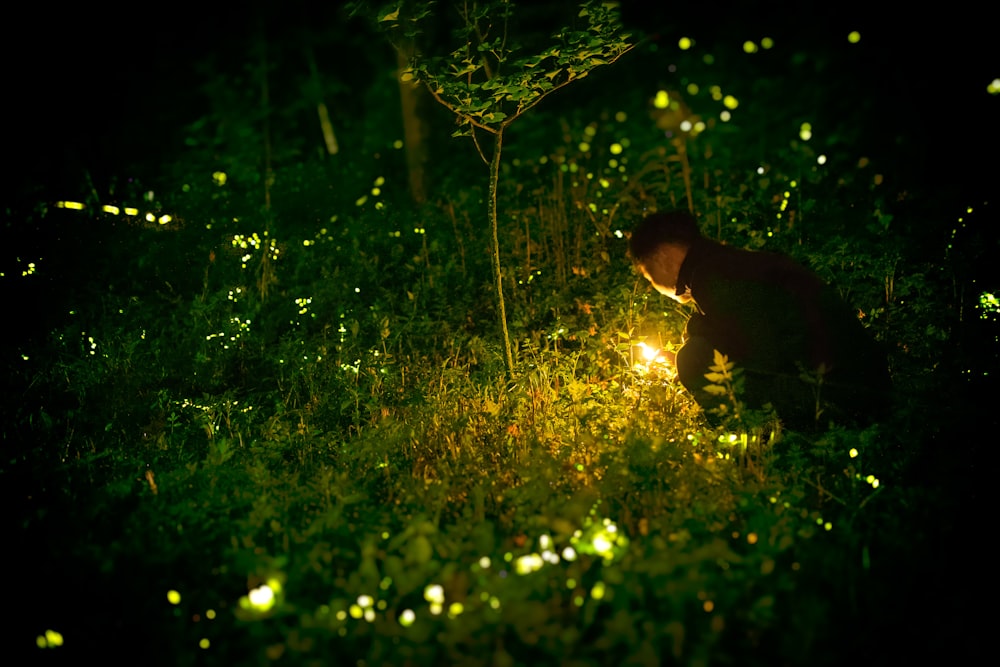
point(285, 434)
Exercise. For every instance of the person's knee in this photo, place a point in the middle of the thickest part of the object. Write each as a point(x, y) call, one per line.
point(693, 361)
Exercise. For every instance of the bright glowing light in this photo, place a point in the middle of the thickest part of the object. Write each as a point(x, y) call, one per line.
point(805, 131)
point(365, 601)
point(730, 102)
point(569, 554)
point(752, 538)
point(692, 89)
point(219, 177)
point(767, 42)
point(204, 643)
point(173, 597)
point(602, 544)
point(484, 562)
point(51, 639)
point(685, 125)
point(749, 47)
point(597, 592)
point(649, 353)
point(616, 148)
point(725, 116)
point(821, 159)
point(994, 87)
point(73, 205)
point(853, 453)
point(262, 597)
point(407, 617)
point(434, 593)
point(854, 37)
point(662, 99)
point(113, 210)
point(528, 564)
point(685, 43)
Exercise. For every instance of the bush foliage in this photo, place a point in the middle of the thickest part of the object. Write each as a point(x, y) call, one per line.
point(279, 430)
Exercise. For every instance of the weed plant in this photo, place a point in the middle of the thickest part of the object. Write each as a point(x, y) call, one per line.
point(285, 435)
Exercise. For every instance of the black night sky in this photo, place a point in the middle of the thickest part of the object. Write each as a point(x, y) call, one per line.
point(107, 90)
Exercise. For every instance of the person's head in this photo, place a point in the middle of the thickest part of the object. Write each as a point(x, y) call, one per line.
point(658, 247)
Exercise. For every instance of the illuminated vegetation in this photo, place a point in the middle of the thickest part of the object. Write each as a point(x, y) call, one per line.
point(285, 434)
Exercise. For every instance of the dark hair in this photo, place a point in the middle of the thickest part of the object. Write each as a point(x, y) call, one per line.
point(659, 228)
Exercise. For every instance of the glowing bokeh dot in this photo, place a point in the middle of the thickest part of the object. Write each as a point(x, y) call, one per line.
point(173, 597)
point(685, 43)
point(854, 37)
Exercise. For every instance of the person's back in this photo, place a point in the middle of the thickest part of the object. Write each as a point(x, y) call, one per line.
point(773, 319)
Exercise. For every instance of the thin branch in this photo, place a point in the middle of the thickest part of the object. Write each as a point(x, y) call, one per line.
point(450, 107)
point(510, 119)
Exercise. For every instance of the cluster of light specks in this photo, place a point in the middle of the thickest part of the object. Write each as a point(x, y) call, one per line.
point(237, 326)
point(174, 599)
point(374, 192)
point(989, 306)
point(51, 639)
point(750, 46)
point(128, 211)
point(253, 242)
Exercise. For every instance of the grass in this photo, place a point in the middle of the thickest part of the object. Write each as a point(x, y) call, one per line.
point(285, 435)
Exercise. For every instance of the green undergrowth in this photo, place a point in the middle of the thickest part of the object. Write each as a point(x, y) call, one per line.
point(284, 434)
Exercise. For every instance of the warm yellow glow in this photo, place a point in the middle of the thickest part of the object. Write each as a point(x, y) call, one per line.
point(131, 211)
point(616, 148)
point(749, 47)
point(173, 597)
point(994, 87)
point(853, 453)
point(51, 639)
point(73, 205)
point(528, 564)
point(854, 37)
point(204, 643)
point(767, 42)
point(685, 43)
point(220, 177)
point(434, 593)
point(407, 617)
point(730, 102)
point(597, 592)
point(649, 352)
point(113, 210)
point(805, 131)
point(261, 598)
point(662, 99)
point(164, 219)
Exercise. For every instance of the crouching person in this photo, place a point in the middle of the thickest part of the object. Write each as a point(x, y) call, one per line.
point(798, 347)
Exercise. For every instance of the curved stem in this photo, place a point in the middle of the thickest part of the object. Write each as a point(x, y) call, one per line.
point(497, 274)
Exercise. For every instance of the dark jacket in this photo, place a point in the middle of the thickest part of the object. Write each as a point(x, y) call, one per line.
point(777, 321)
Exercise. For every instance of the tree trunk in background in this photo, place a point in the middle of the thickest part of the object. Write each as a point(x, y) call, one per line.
point(415, 131)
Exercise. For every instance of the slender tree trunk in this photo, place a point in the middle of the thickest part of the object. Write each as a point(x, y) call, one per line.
point(497, 273)
point(415, 132)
